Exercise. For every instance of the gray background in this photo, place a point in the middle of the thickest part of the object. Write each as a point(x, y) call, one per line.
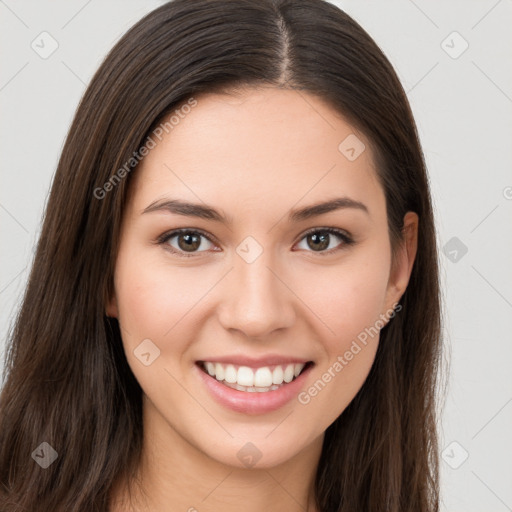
point(462, 101)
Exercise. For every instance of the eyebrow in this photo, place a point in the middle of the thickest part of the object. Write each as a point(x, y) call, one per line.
point(204, 211)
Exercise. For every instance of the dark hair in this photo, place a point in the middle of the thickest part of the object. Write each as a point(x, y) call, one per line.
point(67, 379)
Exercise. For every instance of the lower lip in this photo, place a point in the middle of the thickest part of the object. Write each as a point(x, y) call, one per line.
point(255, 402)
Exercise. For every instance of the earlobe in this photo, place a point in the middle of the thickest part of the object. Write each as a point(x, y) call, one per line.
point(402, 266)
point(111, 307)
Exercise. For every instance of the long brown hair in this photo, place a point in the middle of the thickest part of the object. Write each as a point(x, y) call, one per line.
point(66, 378)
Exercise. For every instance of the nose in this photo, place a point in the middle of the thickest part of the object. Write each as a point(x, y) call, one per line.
point(257, 300)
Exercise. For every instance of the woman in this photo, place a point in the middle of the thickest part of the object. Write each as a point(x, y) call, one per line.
point(235, 299)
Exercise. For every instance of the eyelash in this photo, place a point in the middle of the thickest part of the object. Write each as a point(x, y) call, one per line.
point(164, 238)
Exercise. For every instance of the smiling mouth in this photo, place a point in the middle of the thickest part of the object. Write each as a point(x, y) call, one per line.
point(254, 380)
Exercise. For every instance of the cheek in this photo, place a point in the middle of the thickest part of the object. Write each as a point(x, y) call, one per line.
point(349, 300)
point(156, 302)
point(155, 299)
point(348, 297)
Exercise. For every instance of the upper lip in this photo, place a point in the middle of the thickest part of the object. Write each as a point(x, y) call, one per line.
point(256, 362)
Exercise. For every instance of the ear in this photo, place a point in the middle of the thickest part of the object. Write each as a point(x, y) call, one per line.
point(111, 307)
point(402, 266)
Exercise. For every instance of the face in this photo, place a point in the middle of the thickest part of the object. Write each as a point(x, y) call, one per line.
point(258, 321)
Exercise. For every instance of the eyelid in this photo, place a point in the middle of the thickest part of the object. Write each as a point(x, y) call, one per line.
point(327, 229)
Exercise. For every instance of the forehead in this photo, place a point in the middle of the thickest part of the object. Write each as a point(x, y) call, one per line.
point(256, 149)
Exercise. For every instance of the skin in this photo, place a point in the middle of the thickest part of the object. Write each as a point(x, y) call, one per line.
point(254, 156)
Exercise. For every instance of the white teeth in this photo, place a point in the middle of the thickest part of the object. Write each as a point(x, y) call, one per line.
point(230, 375)
point(263, 377)
point(210, 367)
point(288, 373)
point(251, 389)
point(298, 368)
point(277, 375)
point(253, 380)
point(219, 371)
point(245, 376)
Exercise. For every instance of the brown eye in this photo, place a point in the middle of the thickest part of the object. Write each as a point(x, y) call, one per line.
point(318, 242)
point(323, 241)
point(186, 241)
